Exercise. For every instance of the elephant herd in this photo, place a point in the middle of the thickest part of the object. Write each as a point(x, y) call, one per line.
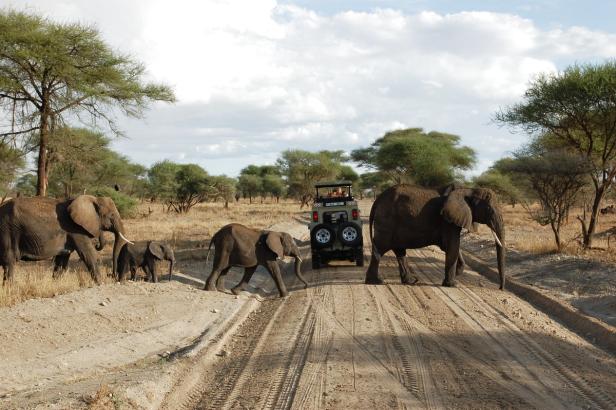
point(402, 217)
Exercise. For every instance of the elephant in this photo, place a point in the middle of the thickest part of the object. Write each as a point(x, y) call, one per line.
point(410, 217)
point(238, 245)
point(39, 228)
point(144, 256)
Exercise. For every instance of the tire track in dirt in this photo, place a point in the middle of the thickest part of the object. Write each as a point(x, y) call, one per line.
point(511, 341)
point(310, 388)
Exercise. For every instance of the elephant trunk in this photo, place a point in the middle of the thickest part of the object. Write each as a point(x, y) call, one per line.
point(101, 241)
point(498, 230)
point(119, 241)
point(298, 271)
point(171, 262)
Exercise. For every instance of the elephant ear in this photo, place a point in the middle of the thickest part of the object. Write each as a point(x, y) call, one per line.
point(274, 242)
point(156, 249)
point(456, 211)
point(83, 212)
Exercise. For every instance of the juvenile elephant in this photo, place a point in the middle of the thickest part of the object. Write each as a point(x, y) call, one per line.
point(40, 228)
point(144, 256)
point(409, 217)
point(238, 245)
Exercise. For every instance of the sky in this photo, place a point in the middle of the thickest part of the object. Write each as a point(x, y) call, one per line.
point(256, 77)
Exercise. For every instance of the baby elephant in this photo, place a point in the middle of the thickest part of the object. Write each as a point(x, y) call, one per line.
point(144, 256)
point(238, 245)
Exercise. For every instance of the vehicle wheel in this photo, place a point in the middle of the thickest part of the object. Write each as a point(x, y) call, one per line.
point(359, 257)
point(322, 236)
point(316, 261)
point(349, 234)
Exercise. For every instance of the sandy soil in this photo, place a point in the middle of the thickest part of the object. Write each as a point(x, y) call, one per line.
point(338, 344)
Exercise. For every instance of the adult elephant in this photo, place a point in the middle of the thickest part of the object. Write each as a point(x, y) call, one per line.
point(409, 217)
point(238, 245)
point(40, 228)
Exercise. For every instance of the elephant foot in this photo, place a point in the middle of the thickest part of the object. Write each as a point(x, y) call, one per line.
point(284, 294)
point(220, 288)
point(410, 281)
point(210, 288)
point(449, 284)
point(236, 290)
point(374, 280)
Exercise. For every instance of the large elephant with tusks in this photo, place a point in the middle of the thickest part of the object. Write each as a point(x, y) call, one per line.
point(40, 228)
point(410, 217)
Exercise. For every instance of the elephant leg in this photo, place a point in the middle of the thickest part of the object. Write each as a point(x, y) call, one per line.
point(452, 251)
point(60, 263)
point(133, 273)
point(372, 274)
point(460, 266)
point(274, 270)
point(221, 262)
point(87, 253)
point(9, 268)
point(151, 265)
point(406, 274)
point(248, 272)
point(220, 282)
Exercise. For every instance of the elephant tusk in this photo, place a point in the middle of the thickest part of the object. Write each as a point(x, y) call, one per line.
point(496, 239)
point(300, 259)
point(124, 238)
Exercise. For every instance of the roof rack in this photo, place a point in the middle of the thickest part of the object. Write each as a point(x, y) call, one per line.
point(332, 184)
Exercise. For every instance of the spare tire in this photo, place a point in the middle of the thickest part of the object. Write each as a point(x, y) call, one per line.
point(349, 234)
point(322, 236)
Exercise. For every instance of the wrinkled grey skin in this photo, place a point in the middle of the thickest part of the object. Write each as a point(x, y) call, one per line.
point(409, 217)
point(144, 256)
point(40, 228)
point(238, 245)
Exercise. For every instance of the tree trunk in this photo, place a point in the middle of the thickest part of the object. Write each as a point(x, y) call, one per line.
point(594, 215)
point(41, 183)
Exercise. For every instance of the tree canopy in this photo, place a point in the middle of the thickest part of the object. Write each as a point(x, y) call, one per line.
point(51, 72)
point(411, 155)
point(577, 108)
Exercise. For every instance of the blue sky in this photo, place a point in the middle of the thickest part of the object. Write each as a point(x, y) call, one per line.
point(255, 77)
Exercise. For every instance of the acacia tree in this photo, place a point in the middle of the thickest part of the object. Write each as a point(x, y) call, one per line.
point(554, 177)
point(578, 108)
point(303, 169)
point(51, 72)
point(411, 155)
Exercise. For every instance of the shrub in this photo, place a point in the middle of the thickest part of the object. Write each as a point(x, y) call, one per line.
point(126, 204)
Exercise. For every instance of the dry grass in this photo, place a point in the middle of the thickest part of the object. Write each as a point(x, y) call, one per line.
point(193, 230)
point(526, 235)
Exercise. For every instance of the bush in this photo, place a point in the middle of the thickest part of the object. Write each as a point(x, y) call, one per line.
point(126, 204)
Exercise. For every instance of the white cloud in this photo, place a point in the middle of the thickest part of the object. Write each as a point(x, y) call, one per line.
point(255, 77)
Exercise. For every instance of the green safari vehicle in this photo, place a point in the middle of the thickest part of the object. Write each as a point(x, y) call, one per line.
point(336, 226)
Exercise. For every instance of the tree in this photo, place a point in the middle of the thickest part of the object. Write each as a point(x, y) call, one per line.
point(162, 183)
point(273, 185)
point(11, 160)
point(428, 159)
point(501, 184)
point(222, 187)
point(192, 187)
point(250, 184)
point(26, 185)
point(303, 169)
point(554, 177)
point(577, 107)
point(53, 71)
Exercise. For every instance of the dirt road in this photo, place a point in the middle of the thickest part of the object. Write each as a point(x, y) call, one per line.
point(342, 344)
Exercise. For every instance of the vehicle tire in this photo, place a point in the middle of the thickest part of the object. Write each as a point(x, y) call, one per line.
point(322, 236)
point(359, 257)
point(349, 234)
point(316, 261)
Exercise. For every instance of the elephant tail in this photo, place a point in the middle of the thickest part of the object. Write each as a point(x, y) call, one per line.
point(209, 248)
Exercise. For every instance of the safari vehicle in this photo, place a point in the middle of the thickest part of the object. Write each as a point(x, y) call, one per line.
point(336, 227)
